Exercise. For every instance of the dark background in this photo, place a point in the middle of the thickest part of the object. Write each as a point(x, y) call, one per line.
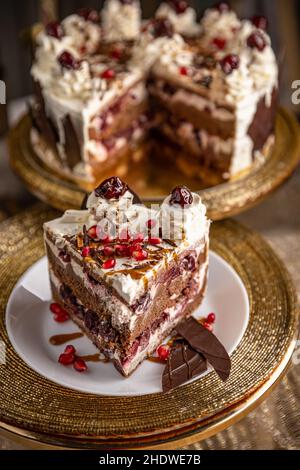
point(18, 16)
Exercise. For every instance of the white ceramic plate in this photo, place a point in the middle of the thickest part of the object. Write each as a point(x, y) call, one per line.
point(30, 325)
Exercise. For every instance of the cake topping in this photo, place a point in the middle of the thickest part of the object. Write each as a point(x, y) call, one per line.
point(180, 6)
point(121, 20)
point(55, 30)
point(68, 61)
point(89, 14)
point(222, 7)
point(108, 74)
point(257, 41)
point(162, 27)
point(260, 22)
point(112, 188)
point(182, 196)
point(220, 43)
point(229, 63)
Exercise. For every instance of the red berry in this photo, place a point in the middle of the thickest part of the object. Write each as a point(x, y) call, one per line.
point(222, 7)
point(220, 43)
point(105, 239)
point(109, 264)
point(230, 63)
point(154, 241)
point(89, 15)
point(66, 359)
point(182, 196)
point(69, 349)
point(183, 70)
point(108, 251)
point(62, 317)
point(208, 326)
point(112, 188)
point(256, 41)
point(56, 308)
point(134, 247)
point(138, 237)
point(108, 74)
point(68, 61)
point(55, 30)
point(140, 255)
point(211, 318)
point(79, 365)
point(163, 352)
point(151, 223)
point(121, 250)
point(92, 232)
point(116, 53)
point(260, 22)
point(85, 251)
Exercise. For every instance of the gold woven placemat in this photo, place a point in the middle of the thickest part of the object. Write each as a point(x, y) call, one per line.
point(221, 201)
point(31, 403)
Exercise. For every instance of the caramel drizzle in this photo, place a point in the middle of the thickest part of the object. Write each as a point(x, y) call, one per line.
point(58, 340)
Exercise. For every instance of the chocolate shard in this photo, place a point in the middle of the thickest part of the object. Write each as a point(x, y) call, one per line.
point(183, 364)
point(84, 201)
point(207, 344)
point(72, 146)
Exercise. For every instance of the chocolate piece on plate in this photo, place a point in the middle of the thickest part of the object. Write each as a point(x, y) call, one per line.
point(207, 344)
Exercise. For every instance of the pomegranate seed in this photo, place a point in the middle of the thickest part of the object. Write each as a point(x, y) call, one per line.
point(134, 247)
point(92, 232)
point(109, 264)
point(163, 352)
point(154, 241)
point(56, 308)
point(211, 318)
point(125, 235)
point(55, 30)
point(140, 255)
point(151, 223)
point(79, 365)
point(70, 349)
point(230, 63)
point(85, 251)
point(121, 250)
point(108, 250)
point(68, 61)
point(138, 237)
point(116, 53)
point(108, 74)
point(222, 7)
point(183, 71)
point(62, 317)
point(220, 43)
point(112, 188)
point(66, 359)
point(181, 195)
point(256, 41)
point(208, 326)
point(260, 22)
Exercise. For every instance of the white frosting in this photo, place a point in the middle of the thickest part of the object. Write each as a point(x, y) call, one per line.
point(219, 24)
point(184, 23)
point(121, 22)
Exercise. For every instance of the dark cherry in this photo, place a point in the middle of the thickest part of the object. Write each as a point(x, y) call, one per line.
point(68, 61)
point(256, 41)
point(181, 196)
point(230, 63)
point(89, 14)
point(260, 22)
point(162, 27)
point(222, 7)
point(180, 6)
point(91, 319)
point(112, 188)
point(189, 263)
point(55, 30)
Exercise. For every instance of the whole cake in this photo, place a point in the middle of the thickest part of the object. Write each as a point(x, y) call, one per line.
point(127, 274)
point(112, 89)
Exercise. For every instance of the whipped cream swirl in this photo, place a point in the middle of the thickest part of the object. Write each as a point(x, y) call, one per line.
point(184, 23)
point(121, 22)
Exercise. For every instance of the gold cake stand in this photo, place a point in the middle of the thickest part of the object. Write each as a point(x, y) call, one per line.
point(222, 201)
point(48, 415)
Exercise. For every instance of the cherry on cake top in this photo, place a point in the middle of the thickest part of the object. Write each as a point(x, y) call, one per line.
point(179, 6)
point(89, 14)
point(181, 196)
point(111, 188)
point(54, 29)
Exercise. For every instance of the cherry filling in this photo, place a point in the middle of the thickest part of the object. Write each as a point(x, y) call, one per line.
point(111, 188)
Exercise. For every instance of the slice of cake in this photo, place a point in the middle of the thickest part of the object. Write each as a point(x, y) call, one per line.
point(128, 274)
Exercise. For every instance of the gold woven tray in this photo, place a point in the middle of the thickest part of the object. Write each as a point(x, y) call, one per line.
point(222, 201)
point(33, 407)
